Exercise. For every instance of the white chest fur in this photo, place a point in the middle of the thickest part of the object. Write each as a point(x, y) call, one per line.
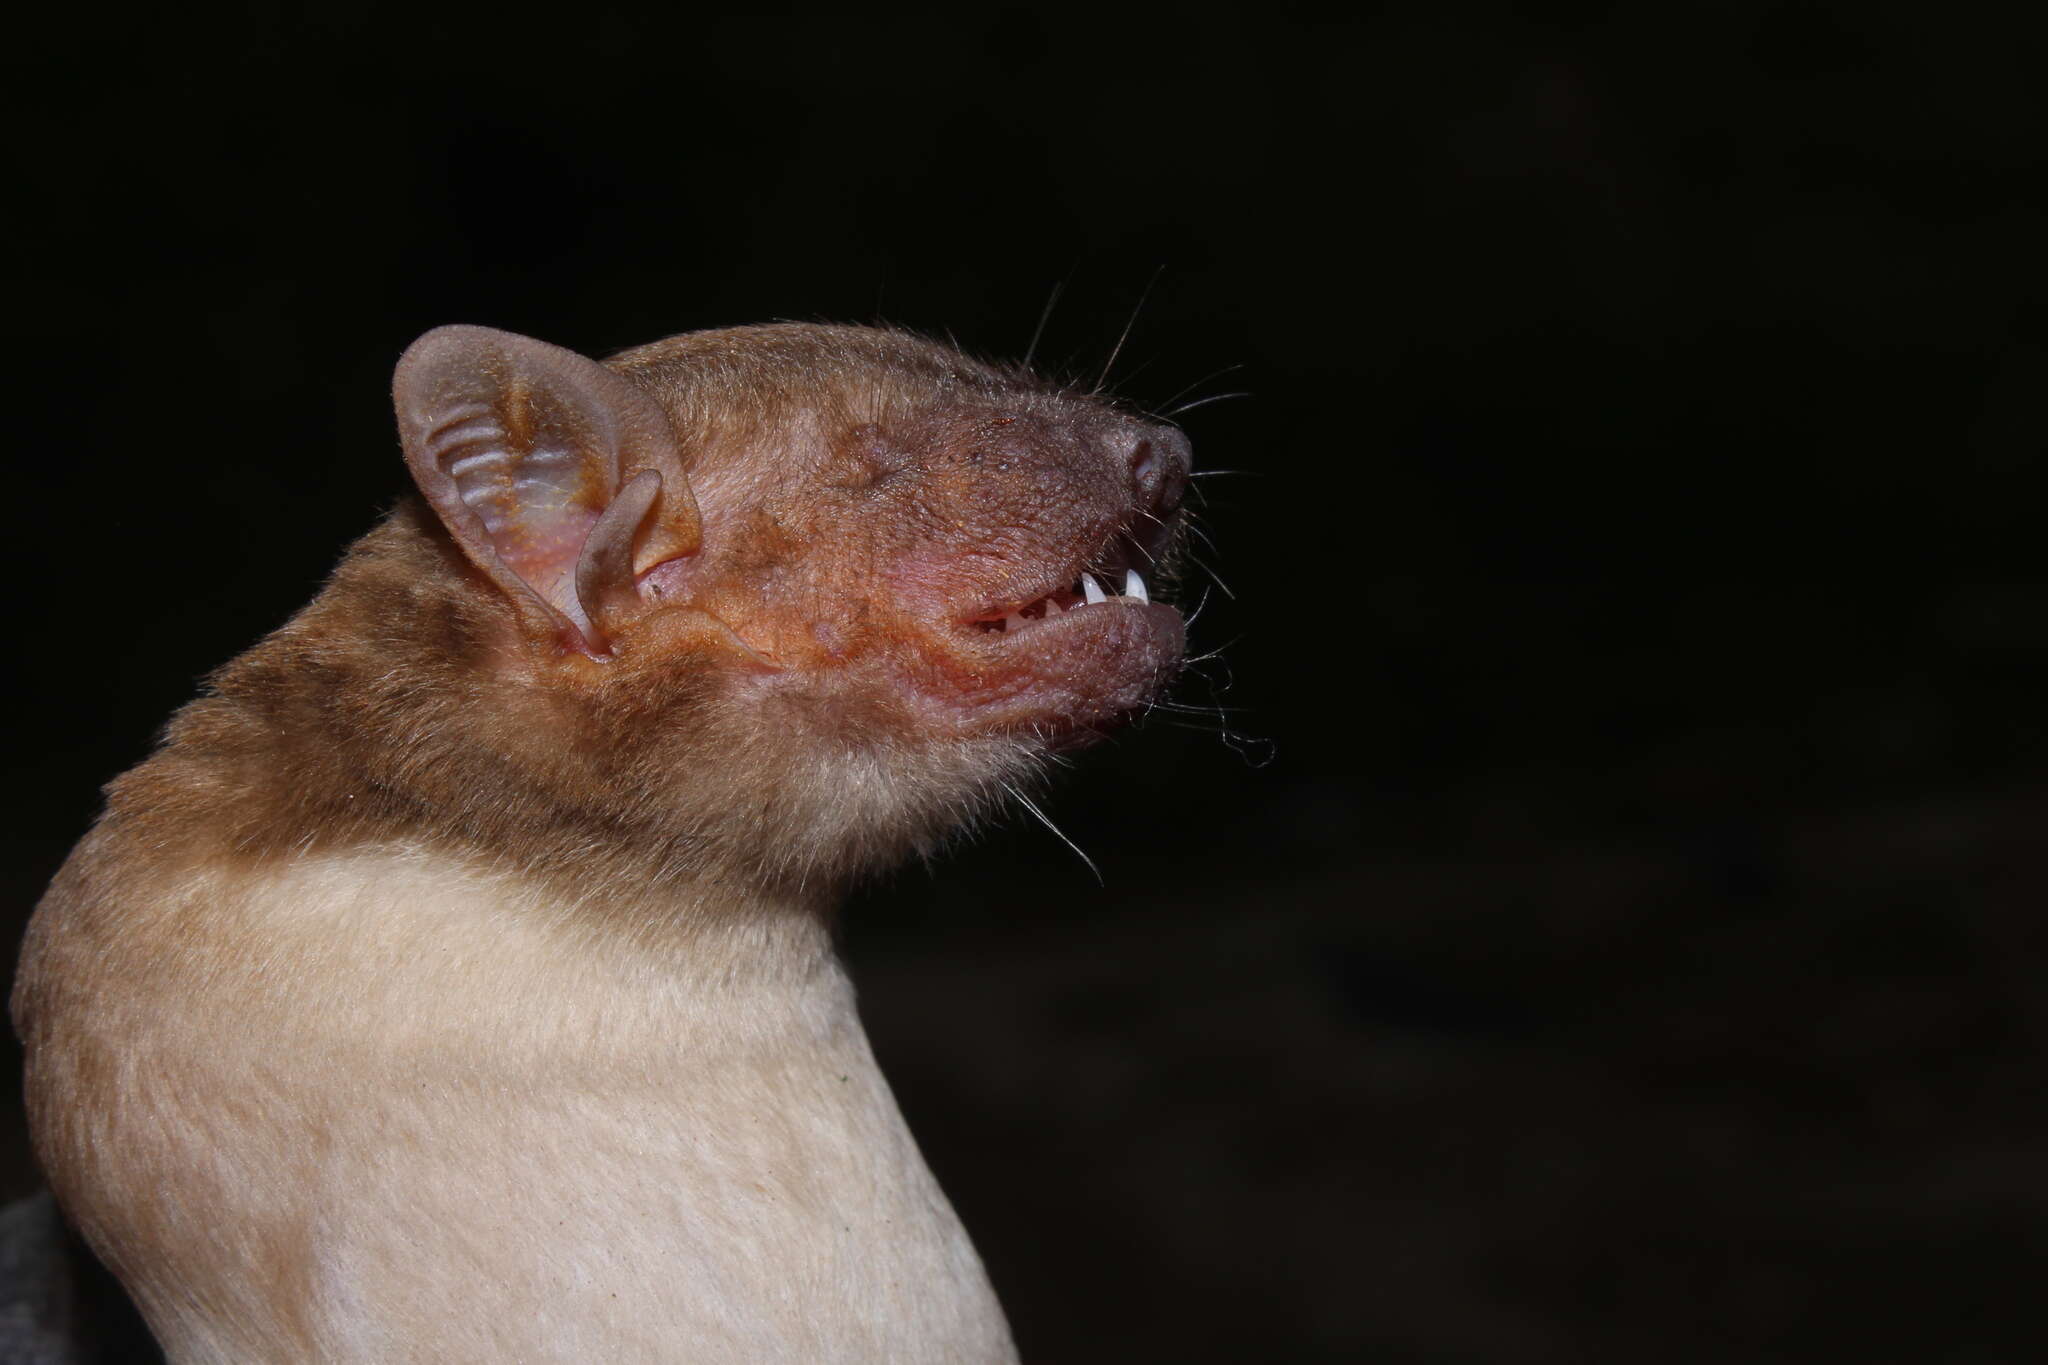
point(380, 1107)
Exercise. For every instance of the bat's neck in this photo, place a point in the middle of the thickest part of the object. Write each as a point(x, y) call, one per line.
point(426, 1071)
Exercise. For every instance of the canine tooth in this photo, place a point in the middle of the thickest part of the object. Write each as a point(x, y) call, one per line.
point(1091, 591)
point(1134, 586)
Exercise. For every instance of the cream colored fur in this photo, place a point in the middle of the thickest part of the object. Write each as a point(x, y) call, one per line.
point(391, 1108)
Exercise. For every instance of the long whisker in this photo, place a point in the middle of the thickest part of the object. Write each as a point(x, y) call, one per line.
point(1215, 374)
point(1208, 569)
point(1205, 402)
point(1046, 820)
point(1196, 532)
point(1214, 656)
point(1186, 709)
point(1129, 379)
point(1044, 316)
point(1131, 322)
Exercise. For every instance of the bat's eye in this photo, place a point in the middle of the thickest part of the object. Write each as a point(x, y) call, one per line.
point(864, 460)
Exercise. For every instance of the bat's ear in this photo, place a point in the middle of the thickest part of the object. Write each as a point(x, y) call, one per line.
point(559, 479)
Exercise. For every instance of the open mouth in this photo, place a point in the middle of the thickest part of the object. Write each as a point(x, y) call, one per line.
point(1084, 592)
point(1105, 578)
point(1064, 664)
point(1069, 649)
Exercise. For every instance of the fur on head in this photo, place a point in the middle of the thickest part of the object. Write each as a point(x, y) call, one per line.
point(783, 602)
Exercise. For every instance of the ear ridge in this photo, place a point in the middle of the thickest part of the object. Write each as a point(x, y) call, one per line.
point(675, 528)
point(521, 448)
point(604, 569)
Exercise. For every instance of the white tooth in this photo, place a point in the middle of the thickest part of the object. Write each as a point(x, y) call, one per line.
point(1134, 586)
point(1091, 590)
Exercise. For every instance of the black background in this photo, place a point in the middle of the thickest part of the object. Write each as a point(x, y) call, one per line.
point(1610, 927)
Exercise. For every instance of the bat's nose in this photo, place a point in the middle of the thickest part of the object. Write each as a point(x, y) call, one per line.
point(1158, 458)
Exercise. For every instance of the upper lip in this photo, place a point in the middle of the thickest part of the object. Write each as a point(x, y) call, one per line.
point(1085, 587)
point(1136, 546)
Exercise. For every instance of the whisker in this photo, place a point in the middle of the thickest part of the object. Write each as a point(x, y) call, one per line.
point(1216, 653)
point(1217, 686)
point(1183, 708)
point(1046, 820)
point(1205, 402)
point(1044, 316)
point(1217, 374)
point(1209, 569)
point(1129, 379)
point(1129, 323)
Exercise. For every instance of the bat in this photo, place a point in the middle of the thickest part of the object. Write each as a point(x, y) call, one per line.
point(456, 980)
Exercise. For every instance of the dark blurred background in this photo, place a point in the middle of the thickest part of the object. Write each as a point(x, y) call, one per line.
point(1608, 927)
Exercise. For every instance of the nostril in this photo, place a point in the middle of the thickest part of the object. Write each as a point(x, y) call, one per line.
point(1158, 462)
point(1145, 467)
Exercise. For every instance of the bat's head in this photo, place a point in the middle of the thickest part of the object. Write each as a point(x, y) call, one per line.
point(879, 577)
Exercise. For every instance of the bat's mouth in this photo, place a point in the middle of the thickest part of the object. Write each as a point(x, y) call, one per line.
point(1114, 572)
point(1069, 641)
point(1088, 590)
point(1072, 660)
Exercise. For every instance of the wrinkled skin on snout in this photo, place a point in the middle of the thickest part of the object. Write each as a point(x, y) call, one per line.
point(932, 561)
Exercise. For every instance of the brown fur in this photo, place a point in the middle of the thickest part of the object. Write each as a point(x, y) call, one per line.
point(671, 796)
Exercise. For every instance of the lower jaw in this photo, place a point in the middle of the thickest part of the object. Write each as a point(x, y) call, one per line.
point(1068, 690)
